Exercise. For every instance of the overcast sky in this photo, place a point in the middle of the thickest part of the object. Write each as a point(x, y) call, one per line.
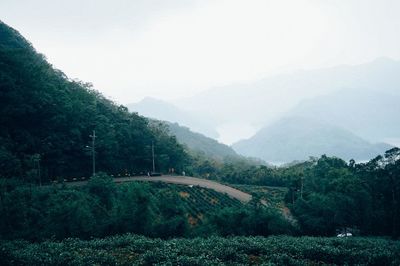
point(168, 49)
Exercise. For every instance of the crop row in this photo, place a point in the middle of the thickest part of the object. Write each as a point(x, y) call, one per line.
point(273, 196)
point(138, 250)
point(197, 200)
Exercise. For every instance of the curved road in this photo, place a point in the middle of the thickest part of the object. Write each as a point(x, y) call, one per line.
point(183, 180)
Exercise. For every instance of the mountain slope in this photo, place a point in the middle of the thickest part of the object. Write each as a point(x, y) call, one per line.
point(296, 138)
point(165, 111)
point(46, 119)
point(373, 115)
point(200, 143)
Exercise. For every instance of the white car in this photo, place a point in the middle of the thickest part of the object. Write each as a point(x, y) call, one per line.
point(344, 234)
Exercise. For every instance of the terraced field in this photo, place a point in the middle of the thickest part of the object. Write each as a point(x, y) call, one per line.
point(197, 201)
point(271, 196)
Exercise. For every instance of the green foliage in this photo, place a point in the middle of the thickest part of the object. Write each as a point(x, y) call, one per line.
point(236, 171)
point(329, 196)
point(99, 208)
point(45, 113)
point(271, 196)
point(200, 144)
point(138, 250)
point(249, 221)
point(195, 201)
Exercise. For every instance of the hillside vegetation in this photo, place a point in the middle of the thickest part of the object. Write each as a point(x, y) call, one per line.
point(101, 208)
point(47, 119)
point(199, 143)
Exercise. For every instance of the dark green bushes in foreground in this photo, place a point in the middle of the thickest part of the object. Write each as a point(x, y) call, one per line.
point(97, 209)
point(139, 250)
point(102, 208)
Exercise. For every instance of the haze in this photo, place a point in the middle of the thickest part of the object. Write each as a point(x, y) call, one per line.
point(174, 49)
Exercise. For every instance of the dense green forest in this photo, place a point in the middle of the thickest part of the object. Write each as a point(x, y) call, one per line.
point(47, 119)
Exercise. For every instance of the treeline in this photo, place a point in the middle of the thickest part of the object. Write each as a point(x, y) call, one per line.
point(237, 171)
point(327, 195)
point(102, 208)
point(47, 119)
point(364, 198)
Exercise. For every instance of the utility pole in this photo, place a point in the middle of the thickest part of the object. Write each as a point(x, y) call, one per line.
point(93, 136)
point(36, 160)
point(152, 152)
point(40, 177)
point(302, 186)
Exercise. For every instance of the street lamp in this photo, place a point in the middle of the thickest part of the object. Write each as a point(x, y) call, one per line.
point(152, 153)
point(36, 159)
point(93, 137)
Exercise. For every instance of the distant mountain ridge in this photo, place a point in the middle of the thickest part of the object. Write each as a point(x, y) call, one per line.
point(199, 143)
point(162, 110)
point(370, 114)
point(297, 138)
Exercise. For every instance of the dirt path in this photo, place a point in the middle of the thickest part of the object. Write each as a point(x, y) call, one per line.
point(183, 180)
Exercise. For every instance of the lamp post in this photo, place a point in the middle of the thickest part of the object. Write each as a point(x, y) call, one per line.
point(93, 136)
point(36, 159)
point(152, 153)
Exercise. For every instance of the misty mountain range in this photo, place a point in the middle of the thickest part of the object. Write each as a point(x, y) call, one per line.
point(297, 138)
point(358, 104)
point(373, 115)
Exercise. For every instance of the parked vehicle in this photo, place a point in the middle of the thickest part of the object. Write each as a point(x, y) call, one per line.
point(155, 174)
point(344, 234)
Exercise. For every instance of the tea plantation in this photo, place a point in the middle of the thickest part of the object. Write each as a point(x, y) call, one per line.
point(197, 201)
point(138, 250)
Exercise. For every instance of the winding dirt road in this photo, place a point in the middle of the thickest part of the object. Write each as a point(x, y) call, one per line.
point(183, 180)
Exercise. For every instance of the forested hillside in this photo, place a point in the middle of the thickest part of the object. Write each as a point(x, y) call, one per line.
point(200, 143)
point(47, 119)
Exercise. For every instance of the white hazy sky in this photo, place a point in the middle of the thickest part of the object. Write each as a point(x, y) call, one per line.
point(168, 49)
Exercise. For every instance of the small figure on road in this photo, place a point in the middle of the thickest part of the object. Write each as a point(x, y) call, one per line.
point(183, 173)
